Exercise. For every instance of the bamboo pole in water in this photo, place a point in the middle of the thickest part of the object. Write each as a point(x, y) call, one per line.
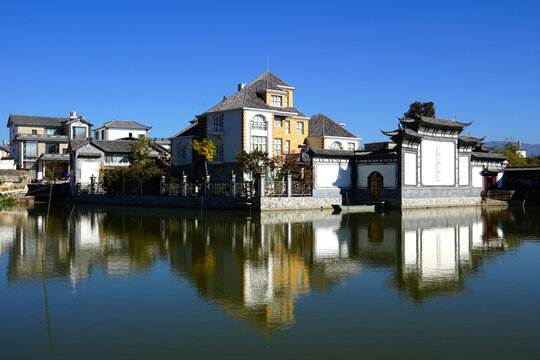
point(47, 220)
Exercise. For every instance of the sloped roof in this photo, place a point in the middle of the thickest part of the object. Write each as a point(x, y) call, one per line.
point(433, 121)
point(124, 124)
point(247, 97)
point(31, 120)
point(330, 152)
point(5, 148)
point(322, 125)
point(112, 146)
point(191, 130)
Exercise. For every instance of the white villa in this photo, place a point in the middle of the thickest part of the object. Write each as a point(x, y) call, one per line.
point(120, 129)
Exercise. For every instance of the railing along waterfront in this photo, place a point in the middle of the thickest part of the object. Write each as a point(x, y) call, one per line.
point(275, 188)
point(241, 189)
point(300, 188)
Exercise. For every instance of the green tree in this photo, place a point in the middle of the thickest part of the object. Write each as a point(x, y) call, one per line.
point(253, 163)
point(205, 150)
point(514, 158)
point(417, 109)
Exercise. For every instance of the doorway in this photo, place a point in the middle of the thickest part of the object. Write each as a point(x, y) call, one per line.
point(375, 183)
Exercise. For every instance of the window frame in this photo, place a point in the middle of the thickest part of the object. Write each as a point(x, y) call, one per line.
point(299, 128)
point(276, 100)
point(258, 122)
point(278, 150)
point(261, 146)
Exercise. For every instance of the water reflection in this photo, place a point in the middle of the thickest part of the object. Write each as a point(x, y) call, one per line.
point(257, 267)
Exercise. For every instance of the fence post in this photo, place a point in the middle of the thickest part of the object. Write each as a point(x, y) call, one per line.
point(92, 184)
point(141, 186)
point(162, 185)
point(289, 184)
point(232, 182)
point(183, 184)
point(123, 186)
point(260, 185)
point(206, 184)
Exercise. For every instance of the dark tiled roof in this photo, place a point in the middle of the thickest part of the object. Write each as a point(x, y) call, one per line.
point(396, 135)
point(247, 97)
point(30, 120)
point(5, 148)
point(434, 121)
point(487, 155)
point(322, 125)
point(54, 157)
point(470, 139)
point(125, 124)
point(330, 152)
point(191, 130)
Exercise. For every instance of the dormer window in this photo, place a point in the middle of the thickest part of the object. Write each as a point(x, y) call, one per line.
point(79, 132)
point(276, 100)
point(258, 122)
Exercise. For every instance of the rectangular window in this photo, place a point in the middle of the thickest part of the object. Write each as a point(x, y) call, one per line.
point(278, 121)
point(287, 146)
point(182, 154)
point(287, 127)
point(218, 123)
point(79, 132)
point(259, 143)
point(64, 151)
point(97, 135)
point(276, 100)
point(278, 146)
point(116, 159)
point(287, 100)
point(34, 132)
point(219, 153)
point(51, 148)
point(102, 134)
point(30, 149)
point(351, 146)
point(300, 128)
point(51, 131)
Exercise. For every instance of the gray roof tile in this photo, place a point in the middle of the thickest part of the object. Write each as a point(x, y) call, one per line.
point(322, 125)
point(125, 124)
point(247, 97)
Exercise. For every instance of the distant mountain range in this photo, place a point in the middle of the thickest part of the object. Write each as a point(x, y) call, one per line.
point(532, 149)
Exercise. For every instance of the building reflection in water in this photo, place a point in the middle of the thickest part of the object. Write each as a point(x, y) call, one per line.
point(258, 267)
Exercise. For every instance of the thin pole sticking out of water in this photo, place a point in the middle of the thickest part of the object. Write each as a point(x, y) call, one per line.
point(47, 221)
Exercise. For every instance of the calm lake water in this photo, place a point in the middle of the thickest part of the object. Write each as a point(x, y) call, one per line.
point(125, 283)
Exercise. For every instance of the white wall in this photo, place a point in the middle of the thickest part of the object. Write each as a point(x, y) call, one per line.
point(388, 171)
point(409, 176)
point(114, 134)
point(445, 158)
point(8, 164)
point(477, 178)
point(86, 168)
point(250, 114)
point(78, 124)
point(463, 170)
point(232, 133)
point(328, 140)
point(332, 175)
point(177, 143)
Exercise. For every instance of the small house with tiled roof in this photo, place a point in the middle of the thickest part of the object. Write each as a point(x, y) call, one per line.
point(39, 141)
point(325, 133)
point(119, 129)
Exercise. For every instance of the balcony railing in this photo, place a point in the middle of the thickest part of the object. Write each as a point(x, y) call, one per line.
point(41, 136)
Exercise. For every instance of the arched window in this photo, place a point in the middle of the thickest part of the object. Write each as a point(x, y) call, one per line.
point(336, 145)
point(258, 122)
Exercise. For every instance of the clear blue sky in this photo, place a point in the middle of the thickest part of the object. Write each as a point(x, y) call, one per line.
point(362, 63)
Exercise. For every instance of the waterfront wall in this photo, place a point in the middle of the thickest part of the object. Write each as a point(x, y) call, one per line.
point(224, 203)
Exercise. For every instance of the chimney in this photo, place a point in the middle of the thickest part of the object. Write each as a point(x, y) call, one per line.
point(4, 141)
point(519, 145)
point(342, 125)
point(72, 114)
point(241, 86)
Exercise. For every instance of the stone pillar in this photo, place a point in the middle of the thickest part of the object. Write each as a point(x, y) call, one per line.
point(232, 182)
point(92, 184)
point(162, 185)
point(183, 184)
point(260, 185)
point(289, 184)
point(206, 185)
